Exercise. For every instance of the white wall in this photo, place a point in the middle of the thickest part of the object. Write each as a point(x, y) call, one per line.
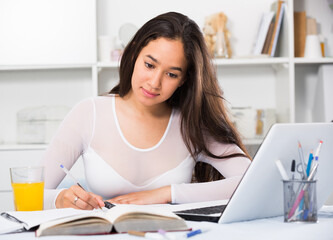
point(54, 35)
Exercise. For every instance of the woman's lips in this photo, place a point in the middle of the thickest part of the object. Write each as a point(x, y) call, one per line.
point(149, 94)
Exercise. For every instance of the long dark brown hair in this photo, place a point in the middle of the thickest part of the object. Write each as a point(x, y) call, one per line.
point(200, 99)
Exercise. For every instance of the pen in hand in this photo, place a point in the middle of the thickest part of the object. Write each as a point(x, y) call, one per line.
point(106, 204)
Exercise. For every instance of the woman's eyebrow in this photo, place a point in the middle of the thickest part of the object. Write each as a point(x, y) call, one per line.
point(152, 58)
point(155, 60)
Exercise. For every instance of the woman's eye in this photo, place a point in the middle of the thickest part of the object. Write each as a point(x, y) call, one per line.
point(172, 75)
point(148, 65)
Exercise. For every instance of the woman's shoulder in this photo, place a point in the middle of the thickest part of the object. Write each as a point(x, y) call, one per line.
point(176, 112)
point(89, 101)
point(176, 115)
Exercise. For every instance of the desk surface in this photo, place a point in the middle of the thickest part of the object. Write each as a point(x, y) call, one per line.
point(271, 228)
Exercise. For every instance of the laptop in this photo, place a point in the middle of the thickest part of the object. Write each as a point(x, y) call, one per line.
point(260, 192)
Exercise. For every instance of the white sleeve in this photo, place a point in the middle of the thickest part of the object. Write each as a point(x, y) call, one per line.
point(231, 168)
point(69, 142)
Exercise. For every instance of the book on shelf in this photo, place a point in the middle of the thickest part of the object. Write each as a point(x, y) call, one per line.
point(120, 219)
point(299, 33)
point(268, 37)
point(264, 25)
point(277, 27)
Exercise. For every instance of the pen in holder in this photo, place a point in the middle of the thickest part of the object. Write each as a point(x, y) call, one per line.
point(296, 191)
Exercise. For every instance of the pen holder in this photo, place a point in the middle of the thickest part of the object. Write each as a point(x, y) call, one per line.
point(300, 201)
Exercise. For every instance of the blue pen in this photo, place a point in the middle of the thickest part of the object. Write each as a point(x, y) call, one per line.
point(308, 167)
point(193, 233)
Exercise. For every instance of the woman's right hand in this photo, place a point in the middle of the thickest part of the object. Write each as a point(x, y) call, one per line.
point(76, 197)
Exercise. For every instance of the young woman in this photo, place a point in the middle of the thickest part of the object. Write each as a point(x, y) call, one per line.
point(161, 135)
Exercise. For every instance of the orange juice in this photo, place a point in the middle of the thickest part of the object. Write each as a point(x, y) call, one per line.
point(28, 196)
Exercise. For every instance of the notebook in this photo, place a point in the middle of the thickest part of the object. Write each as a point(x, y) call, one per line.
point(260, 192)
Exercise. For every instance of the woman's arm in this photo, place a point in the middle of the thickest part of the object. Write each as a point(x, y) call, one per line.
point(231, 168)
point(72, 137)
point(155, 196)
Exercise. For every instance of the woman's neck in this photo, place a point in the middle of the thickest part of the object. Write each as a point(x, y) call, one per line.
point(157, 110)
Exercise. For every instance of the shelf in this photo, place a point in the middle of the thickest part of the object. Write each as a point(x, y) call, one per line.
point(313, 60)
point(251, 61)
point(47, 66)
point(222, 62)
point(112, 64)
point(11, 147)
point(255, 141)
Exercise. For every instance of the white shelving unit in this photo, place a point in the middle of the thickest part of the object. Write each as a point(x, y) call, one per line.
point(57, 77)
point(313, 61)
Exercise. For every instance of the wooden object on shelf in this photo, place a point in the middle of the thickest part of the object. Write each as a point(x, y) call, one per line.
point(311, 26)
point(312, 42)
point(299, 33)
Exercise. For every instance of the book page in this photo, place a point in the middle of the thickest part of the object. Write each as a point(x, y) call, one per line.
point(122, 209)
point(84, 220)
point(7, 226)
point(32, 219)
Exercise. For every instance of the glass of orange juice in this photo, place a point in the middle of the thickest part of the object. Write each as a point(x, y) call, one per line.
point(28, 188)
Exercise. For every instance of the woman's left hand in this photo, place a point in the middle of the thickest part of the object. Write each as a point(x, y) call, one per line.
point(156, 196)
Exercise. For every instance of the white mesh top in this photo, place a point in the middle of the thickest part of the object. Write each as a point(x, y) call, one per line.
point(114, 167)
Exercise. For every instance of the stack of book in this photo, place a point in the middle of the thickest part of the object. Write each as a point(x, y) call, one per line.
point(269, 30)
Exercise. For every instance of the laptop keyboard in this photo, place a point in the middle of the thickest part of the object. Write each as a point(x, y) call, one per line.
point(204, 210)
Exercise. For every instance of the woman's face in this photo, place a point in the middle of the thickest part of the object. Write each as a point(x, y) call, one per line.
point(158, 71)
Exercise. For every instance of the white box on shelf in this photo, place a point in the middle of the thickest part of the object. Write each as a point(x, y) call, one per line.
point(253, 123)
point(38, 124)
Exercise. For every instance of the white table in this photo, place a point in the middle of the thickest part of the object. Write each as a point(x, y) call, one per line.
point(271, 228)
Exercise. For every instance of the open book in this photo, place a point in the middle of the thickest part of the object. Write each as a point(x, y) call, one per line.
point(121, 218)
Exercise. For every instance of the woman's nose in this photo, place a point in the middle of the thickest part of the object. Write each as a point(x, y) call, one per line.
point(156, 79)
